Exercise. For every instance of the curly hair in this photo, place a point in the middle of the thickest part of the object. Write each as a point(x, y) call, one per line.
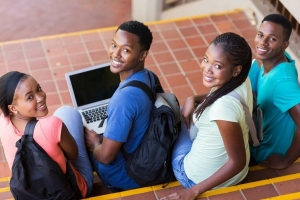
point(139, 29)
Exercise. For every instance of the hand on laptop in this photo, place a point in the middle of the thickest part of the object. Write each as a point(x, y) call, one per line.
point(92, 139)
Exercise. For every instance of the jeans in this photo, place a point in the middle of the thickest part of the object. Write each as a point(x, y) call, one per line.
point(182, 147)
point(72, 119)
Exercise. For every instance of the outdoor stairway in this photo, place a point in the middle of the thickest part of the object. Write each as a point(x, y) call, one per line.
point(260, 183)
point(177, 48)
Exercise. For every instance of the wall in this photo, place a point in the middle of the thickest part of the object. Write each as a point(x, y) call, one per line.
point(146, 10)
point(293, 6)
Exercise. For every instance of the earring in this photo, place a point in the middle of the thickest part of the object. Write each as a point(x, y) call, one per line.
point(16, 112)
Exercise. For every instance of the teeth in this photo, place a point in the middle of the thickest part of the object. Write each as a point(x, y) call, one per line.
point(41, 107)
point(117, 63)
point(263, 50)
point(207, 78)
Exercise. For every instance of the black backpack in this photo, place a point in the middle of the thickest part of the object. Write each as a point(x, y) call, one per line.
point(36, 176)
point(150, 163)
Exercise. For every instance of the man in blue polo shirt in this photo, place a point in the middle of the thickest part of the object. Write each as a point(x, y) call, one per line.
point(129, 108)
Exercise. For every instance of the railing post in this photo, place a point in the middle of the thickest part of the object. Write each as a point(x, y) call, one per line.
point(296, 32)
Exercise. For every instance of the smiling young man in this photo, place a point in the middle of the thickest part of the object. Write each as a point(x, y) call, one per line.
point(129, 109)
point(278, 92)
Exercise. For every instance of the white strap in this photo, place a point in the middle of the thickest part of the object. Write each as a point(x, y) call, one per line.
point(249, 119)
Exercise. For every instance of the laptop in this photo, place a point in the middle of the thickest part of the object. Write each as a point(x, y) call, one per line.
point(91, 89)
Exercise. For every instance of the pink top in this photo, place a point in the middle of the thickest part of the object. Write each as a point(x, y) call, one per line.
point(47, 134)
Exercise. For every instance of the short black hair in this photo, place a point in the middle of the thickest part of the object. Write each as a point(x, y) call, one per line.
point(139, 29)
point(281, 20)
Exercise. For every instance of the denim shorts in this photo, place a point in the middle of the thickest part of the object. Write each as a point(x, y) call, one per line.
point(179, 172)
point(181, 148)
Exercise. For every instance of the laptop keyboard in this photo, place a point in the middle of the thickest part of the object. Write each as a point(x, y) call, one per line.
point(95, 114)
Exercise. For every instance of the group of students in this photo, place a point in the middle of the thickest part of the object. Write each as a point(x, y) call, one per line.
point(217, 156)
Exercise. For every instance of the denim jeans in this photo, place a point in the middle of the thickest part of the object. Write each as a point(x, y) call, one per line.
point(181, 148)
point(72, 119)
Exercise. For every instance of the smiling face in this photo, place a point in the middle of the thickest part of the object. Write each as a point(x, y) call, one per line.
point(126, 54)
point(216, 67)
point(269, 42)
point(29, 100)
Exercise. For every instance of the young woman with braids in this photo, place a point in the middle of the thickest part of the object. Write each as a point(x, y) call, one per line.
point(218, 156)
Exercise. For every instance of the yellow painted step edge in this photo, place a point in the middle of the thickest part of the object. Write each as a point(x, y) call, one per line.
point(5, 189)
point(292, 196)
point(176, 183)
point(105, 197)
point(6, 179)
point(206, 194)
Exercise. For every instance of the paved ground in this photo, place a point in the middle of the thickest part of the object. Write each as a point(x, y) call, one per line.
point(22, 19)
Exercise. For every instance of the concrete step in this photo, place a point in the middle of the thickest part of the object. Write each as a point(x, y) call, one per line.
point(260, 183)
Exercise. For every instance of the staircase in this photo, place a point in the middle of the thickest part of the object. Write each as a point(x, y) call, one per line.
point(178, 46)
point(260, 183)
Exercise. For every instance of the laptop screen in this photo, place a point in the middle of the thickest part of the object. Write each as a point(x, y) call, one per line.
point(94, 85)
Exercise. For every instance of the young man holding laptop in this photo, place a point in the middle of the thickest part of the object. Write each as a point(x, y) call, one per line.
point(128, 110)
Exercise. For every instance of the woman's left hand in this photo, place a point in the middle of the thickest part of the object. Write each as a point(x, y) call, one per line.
point(185, 194)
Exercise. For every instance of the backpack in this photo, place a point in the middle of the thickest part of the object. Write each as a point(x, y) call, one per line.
point(254, 122)
point(36, 176)
point(150, 163)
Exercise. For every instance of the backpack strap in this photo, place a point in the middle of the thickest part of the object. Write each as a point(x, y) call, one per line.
point(142, 86)
point(147, 90)
point(29, 129)
point(249, 119)
point(157, 86)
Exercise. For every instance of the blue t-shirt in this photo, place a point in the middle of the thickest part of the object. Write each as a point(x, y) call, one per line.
point(277, 92)
point(128, 119)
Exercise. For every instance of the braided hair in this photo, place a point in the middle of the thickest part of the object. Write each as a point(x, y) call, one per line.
point(238, 53)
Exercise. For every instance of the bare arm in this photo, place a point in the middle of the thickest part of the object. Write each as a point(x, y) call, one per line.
point(68, 144)
point(104, 151)
point(189, 107)
point(234, 144)
point(276, 161)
